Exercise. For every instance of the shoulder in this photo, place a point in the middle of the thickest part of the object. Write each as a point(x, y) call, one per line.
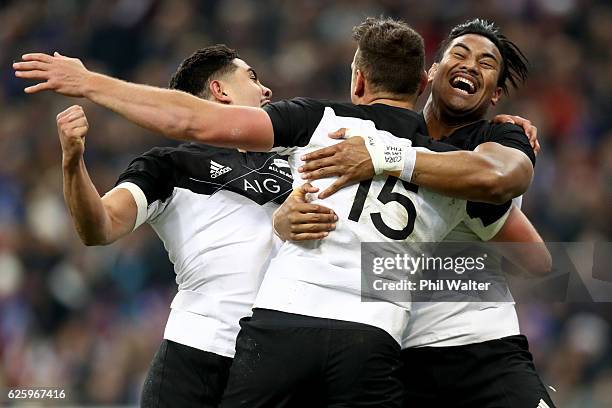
point(316, 105)
point(186, 151)
point(294, 103)
point(184, 158)
point(511, 135)
point(486, 131)
point(502, 129)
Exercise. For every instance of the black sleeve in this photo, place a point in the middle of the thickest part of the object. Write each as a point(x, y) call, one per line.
point(294, 121)
point(420, 140)
point(153, 173)
point(488, 213)
point(511, 135)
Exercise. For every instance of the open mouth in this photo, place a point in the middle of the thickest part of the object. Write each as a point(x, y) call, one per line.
point(463, 84)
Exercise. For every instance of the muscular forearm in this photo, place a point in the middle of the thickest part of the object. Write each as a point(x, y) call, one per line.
point(164, 111)
point(181, 116)
point(174, 114)
point(486, 176)
point(86, 207)
point(527, 249)
point(462, 174)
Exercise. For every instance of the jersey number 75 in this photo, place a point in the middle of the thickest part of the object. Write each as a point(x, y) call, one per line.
point(385, 196)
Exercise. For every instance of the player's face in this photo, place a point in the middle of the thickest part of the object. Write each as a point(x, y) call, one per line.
point(244, 87)
point(465, 80)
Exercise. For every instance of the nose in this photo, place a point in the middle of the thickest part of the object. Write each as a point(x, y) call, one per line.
point(267, 92)
point(470, 65)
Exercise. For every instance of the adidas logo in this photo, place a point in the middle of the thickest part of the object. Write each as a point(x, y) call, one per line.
point(542, 404)
point(217, 169)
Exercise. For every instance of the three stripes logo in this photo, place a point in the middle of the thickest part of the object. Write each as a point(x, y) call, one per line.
point(217, 169)
point(543, 404)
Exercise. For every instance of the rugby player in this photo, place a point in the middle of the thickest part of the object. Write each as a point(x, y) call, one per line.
point(206, 204)
point(464, 354)
point(350, 348)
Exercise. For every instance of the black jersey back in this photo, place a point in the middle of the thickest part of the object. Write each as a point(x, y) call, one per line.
point(296, 120)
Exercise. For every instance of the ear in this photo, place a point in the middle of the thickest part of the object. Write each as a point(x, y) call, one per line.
point(432, 71)
point(218, 91)
point(423, 83)
point(359, 90)
point(496, 96)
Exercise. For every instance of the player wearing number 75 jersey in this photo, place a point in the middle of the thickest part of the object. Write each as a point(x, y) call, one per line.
point(310, 304)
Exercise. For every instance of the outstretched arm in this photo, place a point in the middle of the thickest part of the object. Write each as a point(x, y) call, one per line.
point(492, 173)
point(174, 114)
point(98, 221)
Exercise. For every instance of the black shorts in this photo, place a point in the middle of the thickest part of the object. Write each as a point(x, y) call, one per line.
point(183, 376)
point(497, 373)
point(288, 360)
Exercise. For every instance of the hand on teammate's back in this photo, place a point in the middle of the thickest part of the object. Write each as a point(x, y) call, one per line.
point(349, 160)
point(298, 220)
point(58, 73)
point(72, 127)
point(530, 130)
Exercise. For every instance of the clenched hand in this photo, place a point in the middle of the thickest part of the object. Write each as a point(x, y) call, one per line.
point(298, 220)
point(72, 127)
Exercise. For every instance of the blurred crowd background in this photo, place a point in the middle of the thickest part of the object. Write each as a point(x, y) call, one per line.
point(88, 320)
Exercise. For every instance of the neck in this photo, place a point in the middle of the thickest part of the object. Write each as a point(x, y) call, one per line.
point(439, 124)
point(399, 101)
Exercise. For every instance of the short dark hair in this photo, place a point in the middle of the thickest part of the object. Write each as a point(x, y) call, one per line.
point(391, 55)
point(514, 66)
point(195, 73)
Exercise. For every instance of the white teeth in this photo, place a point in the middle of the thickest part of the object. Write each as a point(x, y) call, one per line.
point(467, 81)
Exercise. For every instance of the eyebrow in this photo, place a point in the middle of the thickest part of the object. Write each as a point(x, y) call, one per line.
point(484, 54)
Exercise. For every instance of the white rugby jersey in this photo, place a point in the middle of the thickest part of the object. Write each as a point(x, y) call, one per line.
point(322, 278)
point(453, 323)
point(212, 208)
point(459, 323)
point(443, 324)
